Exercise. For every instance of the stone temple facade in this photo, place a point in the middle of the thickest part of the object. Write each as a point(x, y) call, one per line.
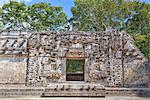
point(38, 59)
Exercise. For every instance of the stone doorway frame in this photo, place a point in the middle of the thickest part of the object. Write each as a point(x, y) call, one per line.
point(76, 58)
point(78, 54)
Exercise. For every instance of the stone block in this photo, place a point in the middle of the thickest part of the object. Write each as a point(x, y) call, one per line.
point(12, 72)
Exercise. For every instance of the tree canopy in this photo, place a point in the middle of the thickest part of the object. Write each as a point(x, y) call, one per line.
point(132, 16)
point(88, 15)
point(40, 16)
point(120, 14)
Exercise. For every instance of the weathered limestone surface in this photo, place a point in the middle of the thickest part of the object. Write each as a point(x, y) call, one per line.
point(12, 72)
point(39, 58)
point(136, 67)
point(13, 63)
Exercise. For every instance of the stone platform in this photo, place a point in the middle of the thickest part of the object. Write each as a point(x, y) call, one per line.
point(71, 90)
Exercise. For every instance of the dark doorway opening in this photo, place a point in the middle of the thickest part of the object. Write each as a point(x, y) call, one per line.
point(75, 69)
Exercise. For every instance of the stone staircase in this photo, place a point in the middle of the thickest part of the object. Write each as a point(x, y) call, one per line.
point(74, 89)
point(71, 90)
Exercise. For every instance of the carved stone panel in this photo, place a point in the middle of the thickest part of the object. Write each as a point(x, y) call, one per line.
point(111, 58)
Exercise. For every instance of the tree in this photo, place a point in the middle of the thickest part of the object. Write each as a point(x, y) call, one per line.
point(95, 14)
point(132, 16)
point(139, 27)
point(1, 22)
point(37, 17)
point(143, 43)
point(14, 15)
point(43, 16)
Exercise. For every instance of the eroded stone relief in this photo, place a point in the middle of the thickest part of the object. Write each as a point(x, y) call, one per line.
point(111, 58)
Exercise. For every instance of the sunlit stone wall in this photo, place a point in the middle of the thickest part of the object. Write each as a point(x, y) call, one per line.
point(39, 58)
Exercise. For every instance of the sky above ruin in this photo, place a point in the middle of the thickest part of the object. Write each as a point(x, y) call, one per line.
point(66, 4)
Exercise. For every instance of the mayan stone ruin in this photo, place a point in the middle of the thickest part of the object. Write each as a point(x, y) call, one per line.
point(36, 63)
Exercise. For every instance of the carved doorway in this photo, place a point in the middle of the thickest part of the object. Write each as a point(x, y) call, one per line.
point(75, 69)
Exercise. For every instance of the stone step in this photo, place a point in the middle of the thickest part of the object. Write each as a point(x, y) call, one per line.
point(75, 90)
point(21, 91)
point(75, 86)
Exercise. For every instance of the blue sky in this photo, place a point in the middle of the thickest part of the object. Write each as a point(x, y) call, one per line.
point(66, 4)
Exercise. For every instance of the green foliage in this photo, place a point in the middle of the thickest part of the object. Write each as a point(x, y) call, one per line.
point(88, 15)
point(132, 16)
point(1, 21)
point(95, 14)
point(14, 14)
point(40, 16)
point(75, 65)
point(139, 27)
point(143, 43)
point(46, 17)
point(139, 23)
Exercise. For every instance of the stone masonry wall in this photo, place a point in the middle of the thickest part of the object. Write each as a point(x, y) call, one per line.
point(13, 58)
point(111, 58)
point(136, 67)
